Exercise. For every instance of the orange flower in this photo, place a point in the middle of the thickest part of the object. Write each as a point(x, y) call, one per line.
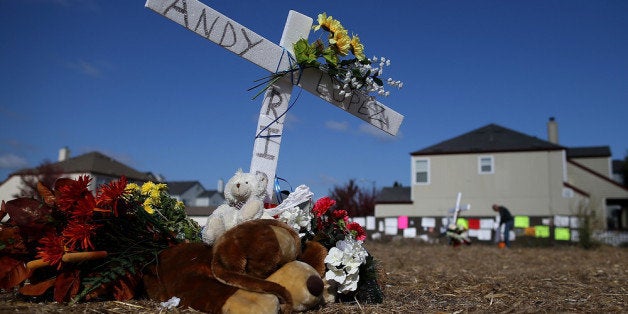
point(71, 191)
point(52, 249)
point(109, 194)
point(79, 232)
point(84, 208)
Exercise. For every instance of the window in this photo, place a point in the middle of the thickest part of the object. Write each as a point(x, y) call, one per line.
point(485, 164)
point(422, 171)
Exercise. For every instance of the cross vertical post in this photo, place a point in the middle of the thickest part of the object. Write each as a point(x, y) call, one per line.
point(275, 106)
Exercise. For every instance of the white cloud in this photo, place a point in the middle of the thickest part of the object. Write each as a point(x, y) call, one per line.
point(86, 68)
point(337, 126)
point(370, 130)
point(11, 161)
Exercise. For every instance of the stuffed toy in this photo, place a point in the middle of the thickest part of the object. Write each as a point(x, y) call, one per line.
point(258, 266)
point(244, 200)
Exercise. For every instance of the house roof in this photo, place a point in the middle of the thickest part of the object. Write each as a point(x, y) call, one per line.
point(180, 187)
point(98, 163)
point(394, 195)
point(588, 151)
point(489, 138)
point(209, 193)
point(199, 210)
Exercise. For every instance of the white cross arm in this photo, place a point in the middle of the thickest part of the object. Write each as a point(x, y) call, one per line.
point(229, 34)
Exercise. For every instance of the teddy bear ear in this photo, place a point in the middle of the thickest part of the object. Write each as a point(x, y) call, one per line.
point(239, 171)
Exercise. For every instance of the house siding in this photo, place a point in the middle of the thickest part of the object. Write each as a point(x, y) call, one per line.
point(600, 165)
point(528, 183)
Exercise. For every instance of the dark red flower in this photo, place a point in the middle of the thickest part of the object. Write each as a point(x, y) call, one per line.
point(84, 208)
point(79, 232)
point(357, 230)
point(69, 191)
point(322, 206)
point(339, 214)
point(109, 194)
point(52, 249)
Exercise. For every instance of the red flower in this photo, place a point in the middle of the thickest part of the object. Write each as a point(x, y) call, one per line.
point(109, 194)
point(340, 214)
point(357, 230)
point(52, 249)
point(79, 232)
point(322, 206)
point(71, 191)
point(84, 208)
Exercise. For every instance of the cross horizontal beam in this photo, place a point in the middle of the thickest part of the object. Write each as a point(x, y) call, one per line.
point(229, 34)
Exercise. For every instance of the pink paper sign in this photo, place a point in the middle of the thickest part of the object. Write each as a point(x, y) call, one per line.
point(402, 222)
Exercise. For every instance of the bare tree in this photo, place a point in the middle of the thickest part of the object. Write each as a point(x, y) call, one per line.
point(46, 173)
point(624, 170)
point(357, 201)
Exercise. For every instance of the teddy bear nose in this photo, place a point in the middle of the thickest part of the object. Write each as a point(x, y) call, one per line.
point(315, 285)
point(238, 185)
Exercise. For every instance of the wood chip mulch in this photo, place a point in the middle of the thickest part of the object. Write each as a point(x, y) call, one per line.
point(422, 278)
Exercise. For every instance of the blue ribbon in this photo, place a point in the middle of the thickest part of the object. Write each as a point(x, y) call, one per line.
point(278, 188)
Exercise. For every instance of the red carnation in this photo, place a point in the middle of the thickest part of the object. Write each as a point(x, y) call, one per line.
point(339, 214)
point(357, 230)
point(322, 206)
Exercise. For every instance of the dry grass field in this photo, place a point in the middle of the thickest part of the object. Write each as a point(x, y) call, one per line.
point(421, 278)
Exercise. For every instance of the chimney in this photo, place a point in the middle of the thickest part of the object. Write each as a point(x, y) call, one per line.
point(552, 131)
point(221, 186)
point(64, 153)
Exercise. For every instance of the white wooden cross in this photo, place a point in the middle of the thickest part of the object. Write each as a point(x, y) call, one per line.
point(238, 39)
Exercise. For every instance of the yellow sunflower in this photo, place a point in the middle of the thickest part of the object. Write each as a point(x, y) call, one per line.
point(342, 41)
point(357, 48)
point(324, 22)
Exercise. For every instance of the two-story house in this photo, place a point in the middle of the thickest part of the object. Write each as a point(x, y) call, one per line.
point(199, 202)
point(535, 178)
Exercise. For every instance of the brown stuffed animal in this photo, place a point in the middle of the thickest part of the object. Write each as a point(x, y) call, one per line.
point(255, 256)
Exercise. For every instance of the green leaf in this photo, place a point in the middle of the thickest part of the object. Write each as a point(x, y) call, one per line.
point(330, 57)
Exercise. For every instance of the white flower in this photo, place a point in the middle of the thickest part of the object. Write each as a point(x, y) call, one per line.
point(350, 283)
point(334, 257)
point(343, 264)
point(335, 274)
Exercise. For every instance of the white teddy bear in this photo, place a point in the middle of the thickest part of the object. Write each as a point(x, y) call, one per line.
point(244, 200)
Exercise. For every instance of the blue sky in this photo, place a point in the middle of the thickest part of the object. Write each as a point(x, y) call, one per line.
point(115, 77)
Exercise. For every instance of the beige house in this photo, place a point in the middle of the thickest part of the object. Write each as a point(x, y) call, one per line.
point(532, 177)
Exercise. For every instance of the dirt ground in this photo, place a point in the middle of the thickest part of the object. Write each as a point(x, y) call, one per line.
point(440, 279)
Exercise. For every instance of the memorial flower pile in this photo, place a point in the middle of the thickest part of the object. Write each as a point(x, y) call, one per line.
point(75, 244)
point(84, 245)
point(342, 57)
point(349, 266)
